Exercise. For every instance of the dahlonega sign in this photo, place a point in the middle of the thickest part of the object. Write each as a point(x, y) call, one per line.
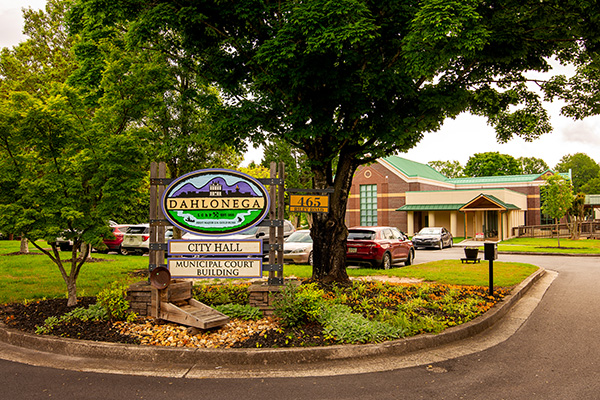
point(215, 202)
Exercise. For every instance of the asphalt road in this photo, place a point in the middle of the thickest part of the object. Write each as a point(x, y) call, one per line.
point(554, 354)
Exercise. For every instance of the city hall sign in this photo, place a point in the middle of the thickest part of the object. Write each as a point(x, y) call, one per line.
point(215, 202)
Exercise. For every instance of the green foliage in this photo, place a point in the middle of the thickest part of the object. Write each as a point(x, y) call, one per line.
point(557, 197)
point(532, 165)
point(298, 305)
point(450, 169)
point(349, 81)
point(113, 300)
point(245, 312)
point(341, 323)
point(215, 295)
point(583, 170)
point(492, 164)
point(95, 312)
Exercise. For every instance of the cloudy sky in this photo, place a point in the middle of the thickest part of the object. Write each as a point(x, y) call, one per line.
point(457, 140)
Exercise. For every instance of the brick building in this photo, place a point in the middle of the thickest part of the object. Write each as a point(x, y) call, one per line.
point(410, 195)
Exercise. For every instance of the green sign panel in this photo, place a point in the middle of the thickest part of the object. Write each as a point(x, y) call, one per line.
point(215, 202)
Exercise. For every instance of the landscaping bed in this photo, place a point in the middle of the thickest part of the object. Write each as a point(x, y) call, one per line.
point(363, 312)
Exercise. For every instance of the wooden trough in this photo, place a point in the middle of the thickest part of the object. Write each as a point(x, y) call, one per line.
point(175, 304)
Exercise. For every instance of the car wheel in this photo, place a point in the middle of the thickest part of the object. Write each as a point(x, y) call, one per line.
point(441, 245)
point(310, 259)
point(123, 251)
point(451, 243)
point(386, 263)
point(411, 257)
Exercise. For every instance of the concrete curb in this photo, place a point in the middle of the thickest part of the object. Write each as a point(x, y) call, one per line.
point(218, 358)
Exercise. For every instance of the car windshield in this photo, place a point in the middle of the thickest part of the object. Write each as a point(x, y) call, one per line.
point(430, 231)
point(361, 235)
point(299, 237)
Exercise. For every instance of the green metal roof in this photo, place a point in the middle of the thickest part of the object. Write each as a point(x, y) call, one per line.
point(500, 179)
point(455, 207)
point(413, 168)
point(430, 207)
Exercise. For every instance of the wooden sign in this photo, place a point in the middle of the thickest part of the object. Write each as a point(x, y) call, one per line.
point(215, 267)
point(309, 203)
point(216, 247)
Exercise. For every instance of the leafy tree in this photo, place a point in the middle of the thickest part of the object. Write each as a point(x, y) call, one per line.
point(61, 175)
point(532, 165)
point(297, 171)
point(576, 215)
point(591, 187)
point(557, 199)
point(347, 82)
point(583, 169)
point(492, 164)
point(450, 169)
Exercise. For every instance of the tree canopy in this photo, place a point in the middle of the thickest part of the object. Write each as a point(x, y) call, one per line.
point(492, 164)
point(583, 169)
point(347, 82)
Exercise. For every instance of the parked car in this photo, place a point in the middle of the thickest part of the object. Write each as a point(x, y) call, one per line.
point(378, 246)
point(114, 243)
point(137, 239)
point(298, 248)
point(437, 237)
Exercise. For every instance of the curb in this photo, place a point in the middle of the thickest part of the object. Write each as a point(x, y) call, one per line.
point(275, 357)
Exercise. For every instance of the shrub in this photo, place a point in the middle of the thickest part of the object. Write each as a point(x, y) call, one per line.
point(112, 299)
point(214, 295)
point(341, 323)
point(245, 312)
point(298, 305)
point(95, 312)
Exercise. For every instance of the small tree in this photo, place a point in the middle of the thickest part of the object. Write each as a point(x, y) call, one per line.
point(576, 215)
point(557, 199)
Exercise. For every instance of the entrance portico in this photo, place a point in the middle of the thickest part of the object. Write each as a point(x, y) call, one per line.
point(482, 215)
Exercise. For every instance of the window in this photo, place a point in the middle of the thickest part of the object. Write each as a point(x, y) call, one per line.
point(368, 205)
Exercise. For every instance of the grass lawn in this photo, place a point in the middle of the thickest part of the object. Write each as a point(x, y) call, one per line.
point(34, 276)
point(567, 246)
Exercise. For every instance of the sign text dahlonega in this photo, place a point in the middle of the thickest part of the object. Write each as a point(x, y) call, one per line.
point(215, 202)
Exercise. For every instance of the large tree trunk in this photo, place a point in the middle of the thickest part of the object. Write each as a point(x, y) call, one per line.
point(329, 231)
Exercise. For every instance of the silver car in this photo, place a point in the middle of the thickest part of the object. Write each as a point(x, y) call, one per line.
point(437, 237)
point(298, 248)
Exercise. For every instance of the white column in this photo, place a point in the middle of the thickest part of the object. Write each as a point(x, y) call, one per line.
point(410, 223)
point(431, 218)
point(453, 223)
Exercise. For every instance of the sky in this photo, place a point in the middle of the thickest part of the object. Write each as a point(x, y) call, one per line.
point(458, 139)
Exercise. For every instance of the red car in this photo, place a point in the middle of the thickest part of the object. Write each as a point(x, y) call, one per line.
point(378, 246)
point(114, 244)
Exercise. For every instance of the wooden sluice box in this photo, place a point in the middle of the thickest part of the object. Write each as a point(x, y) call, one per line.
point(174, 303)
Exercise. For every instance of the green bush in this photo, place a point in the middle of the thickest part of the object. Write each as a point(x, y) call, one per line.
point(340, 323)
point(113, 300)
point(298, 305)
point(95, 312)
point(245, 312)
point(214, 295)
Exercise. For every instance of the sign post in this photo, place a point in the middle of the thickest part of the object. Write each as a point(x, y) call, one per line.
point(490, 251)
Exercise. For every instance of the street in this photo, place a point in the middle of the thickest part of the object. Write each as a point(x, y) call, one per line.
point(553, 355)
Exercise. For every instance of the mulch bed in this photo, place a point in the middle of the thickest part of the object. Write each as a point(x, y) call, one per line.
point(27, 317)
